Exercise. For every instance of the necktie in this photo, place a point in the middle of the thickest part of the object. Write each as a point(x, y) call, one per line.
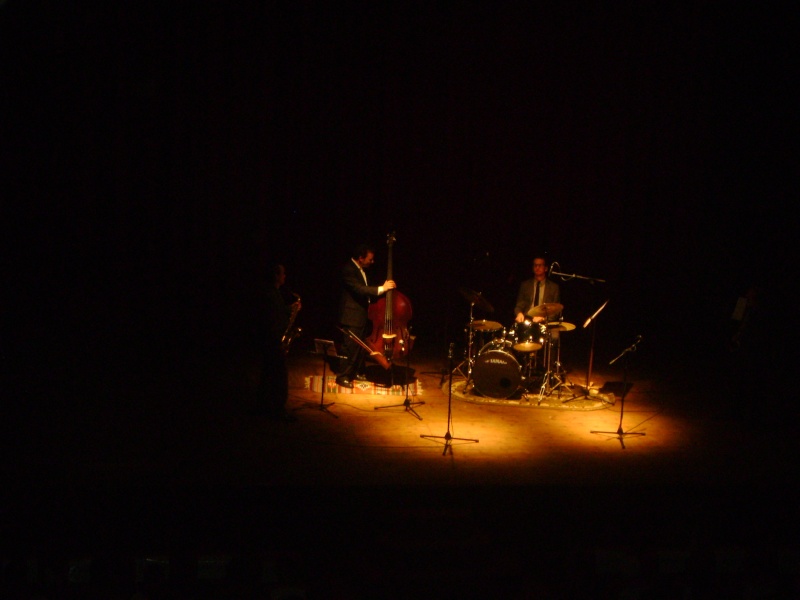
point(536, 295)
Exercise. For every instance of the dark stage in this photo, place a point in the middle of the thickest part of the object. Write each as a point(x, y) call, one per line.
point(160, 158)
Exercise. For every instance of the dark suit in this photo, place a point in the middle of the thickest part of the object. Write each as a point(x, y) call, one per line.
point(353, 304)
point(527, 293)
point(527, 290)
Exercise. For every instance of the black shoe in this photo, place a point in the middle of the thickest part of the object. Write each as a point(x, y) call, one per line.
point(344, 381)
point(361, 377)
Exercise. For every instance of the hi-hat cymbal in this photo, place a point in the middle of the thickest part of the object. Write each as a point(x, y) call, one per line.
point(477, 299)
point(560, 326)
point(484, 325)
point(546, 309)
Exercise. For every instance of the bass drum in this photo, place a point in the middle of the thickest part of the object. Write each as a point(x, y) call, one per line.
point(496, 373)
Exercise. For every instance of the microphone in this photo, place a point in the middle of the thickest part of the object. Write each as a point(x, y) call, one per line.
point(631, 348)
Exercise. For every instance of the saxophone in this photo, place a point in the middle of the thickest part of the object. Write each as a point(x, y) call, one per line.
point(292, 332)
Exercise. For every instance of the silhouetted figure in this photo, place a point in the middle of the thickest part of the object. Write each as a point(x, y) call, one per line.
point(273, 388)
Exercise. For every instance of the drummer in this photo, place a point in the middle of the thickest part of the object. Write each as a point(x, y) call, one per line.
point(539, 291)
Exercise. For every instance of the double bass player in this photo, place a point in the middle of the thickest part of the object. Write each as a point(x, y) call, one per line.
point(356, 296)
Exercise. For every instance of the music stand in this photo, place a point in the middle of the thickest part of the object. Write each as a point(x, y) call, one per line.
point(324, 348)
point(447, 437)
point(587, 388)
point(619, 432)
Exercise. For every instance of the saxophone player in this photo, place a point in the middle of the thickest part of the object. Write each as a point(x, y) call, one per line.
point(273, 389)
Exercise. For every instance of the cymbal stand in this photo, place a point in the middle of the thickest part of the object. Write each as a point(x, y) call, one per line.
point(528, 374)
point(448, 437)
point(619, 432)
point(469, 361)
point(531, 364)
point(559, 374)
point(527, 371)
point(546, 389)
point(407, 403)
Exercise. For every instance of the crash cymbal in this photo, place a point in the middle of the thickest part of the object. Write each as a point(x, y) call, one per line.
point(543, 310)
point(484, 325)
point(560, 326)
point(477, 299)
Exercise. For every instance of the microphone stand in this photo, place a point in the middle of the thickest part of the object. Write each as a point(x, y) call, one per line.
point(567, 276)
point(592, 280)
point(447, 437)
point(619, 432)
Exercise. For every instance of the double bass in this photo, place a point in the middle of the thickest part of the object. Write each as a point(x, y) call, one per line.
point(390, 316)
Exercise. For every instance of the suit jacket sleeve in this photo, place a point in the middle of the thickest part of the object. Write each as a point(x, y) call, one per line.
point(355, 296)
point(553, 294)
point(524, 297)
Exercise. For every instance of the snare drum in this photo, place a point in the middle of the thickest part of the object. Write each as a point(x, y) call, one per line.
point(496, 373)
point(529, 336)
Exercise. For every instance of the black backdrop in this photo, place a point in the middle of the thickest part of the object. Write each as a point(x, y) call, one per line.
point(160, 157)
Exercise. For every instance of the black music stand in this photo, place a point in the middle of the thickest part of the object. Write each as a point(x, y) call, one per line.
point(587, 389)
point(447, 437)
point(407, 403)
point(325, 349)
point(619, 432)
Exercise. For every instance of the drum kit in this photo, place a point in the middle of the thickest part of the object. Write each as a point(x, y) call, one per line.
point(507, 360)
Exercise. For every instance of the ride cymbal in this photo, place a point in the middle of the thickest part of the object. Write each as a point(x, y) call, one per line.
point(560, 326)
point(477, 299)
point(546, 309)
point(484, 325)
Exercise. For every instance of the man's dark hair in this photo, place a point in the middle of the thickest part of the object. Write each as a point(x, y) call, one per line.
point(362, 250)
